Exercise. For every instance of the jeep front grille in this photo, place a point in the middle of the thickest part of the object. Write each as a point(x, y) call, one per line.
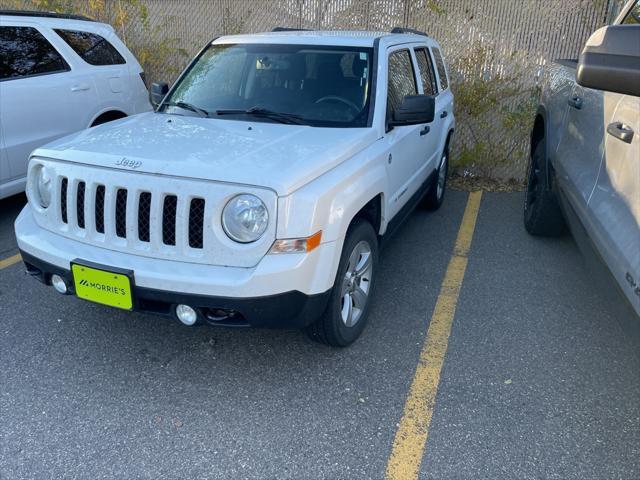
point(195, 227)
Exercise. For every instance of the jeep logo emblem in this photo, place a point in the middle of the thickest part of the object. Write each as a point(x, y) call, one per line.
point(126, 163)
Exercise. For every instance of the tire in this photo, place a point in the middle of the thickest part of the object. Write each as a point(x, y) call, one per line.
point(343, 322)
point(435, 196)
point(542, 214)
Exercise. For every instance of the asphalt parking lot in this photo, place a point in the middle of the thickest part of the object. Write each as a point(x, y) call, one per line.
point(541, 376)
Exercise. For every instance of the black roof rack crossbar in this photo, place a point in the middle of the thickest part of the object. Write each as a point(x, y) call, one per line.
point(35, 13)
point(289, 29)
point(408, 30)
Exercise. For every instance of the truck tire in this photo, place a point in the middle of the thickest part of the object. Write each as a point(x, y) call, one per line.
point(435, 196)
point(348, 308)
point(542, 214)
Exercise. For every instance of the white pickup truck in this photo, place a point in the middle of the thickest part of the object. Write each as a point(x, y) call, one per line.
point(258, 192)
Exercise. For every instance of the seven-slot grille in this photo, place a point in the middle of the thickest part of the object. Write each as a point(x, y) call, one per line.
point(143, 205)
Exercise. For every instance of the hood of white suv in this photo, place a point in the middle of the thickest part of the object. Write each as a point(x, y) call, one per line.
point(282, 157)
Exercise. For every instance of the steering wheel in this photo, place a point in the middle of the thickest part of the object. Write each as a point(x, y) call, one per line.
point(335, 98)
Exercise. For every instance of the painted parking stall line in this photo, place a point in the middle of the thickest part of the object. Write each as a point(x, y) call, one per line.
point(411, 437)
point(7, 262)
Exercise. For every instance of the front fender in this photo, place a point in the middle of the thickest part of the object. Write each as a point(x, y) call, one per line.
point(330, 202)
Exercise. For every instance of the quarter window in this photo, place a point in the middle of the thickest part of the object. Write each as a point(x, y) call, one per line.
point(633, 17)
point(24, 52)
point(426, 72)
point(92, 48)
point(442, 72)
point(402, 80)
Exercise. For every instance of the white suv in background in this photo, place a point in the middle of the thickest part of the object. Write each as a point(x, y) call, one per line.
point(59, 74)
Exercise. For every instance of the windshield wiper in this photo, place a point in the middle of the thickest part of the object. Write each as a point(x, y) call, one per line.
point(187, 106)
point(281, 117)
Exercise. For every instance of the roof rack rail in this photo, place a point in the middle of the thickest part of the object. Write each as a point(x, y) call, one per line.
point(36, 13)
point(289, 29)
point(408, 30)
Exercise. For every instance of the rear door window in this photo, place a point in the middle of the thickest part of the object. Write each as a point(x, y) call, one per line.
point(25, 52)
point(92, 48)
point(427, 76)
point(442, 72)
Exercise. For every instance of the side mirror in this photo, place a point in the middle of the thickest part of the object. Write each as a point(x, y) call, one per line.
point(610, 60)
point(413, 110)
point(158, 92)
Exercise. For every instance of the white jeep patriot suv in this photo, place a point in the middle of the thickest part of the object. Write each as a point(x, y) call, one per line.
point(259, 190)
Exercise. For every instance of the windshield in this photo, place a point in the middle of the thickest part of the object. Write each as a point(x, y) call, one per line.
point(316, 85)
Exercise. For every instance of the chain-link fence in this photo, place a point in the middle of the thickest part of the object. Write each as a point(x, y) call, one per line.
point(495, 49)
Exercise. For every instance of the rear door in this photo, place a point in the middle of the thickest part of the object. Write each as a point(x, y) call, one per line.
point(101, 69)
point(615, 203)
point(444, 100)
point(36, 86)
point(429, 154)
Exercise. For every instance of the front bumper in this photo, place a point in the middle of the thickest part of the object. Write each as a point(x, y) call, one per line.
point(282, 291)
point(291, 309)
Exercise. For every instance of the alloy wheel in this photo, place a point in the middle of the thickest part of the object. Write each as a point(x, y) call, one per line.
point(356, 284)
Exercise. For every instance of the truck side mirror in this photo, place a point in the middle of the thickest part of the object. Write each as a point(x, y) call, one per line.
point(610, 60)
point(158, 92)
point(414, 109)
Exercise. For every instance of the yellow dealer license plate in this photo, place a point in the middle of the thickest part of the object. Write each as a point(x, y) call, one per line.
point(107, 287)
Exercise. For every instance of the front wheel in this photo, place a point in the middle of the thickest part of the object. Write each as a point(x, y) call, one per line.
point(542, 214)
point(348, 309)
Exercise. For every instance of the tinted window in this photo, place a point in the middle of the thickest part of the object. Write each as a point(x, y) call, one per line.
point(442, 73)
point(402, 80)
point(633, 17)
point(426, 72)
point(93, 49)
point(24, 51)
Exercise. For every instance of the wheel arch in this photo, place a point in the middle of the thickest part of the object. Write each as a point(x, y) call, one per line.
point(371, 212)
point(107, 116)
point(539, 134)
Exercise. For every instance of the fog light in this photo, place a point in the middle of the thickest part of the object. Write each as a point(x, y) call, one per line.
point(186, 314)
point(59, 284)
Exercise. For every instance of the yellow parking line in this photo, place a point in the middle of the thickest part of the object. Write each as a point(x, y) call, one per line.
point(410, 440)
point(7, 262)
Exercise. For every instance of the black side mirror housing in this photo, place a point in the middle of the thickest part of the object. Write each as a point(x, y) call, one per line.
point(610, 60)
point(158, 92)
point(414, 110)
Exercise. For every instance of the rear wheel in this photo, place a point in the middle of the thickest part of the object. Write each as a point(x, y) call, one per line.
point(542, 214)
point(435, 196)
point(348, 309)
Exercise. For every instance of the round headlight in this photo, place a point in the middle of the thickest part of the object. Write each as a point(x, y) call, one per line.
point(245, 218)
point(43, 186)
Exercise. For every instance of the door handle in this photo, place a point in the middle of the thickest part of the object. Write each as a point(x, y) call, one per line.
point(444, 114)
point(79, 87)
point(620, 131)
point(575, 102)
point(425, 130)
